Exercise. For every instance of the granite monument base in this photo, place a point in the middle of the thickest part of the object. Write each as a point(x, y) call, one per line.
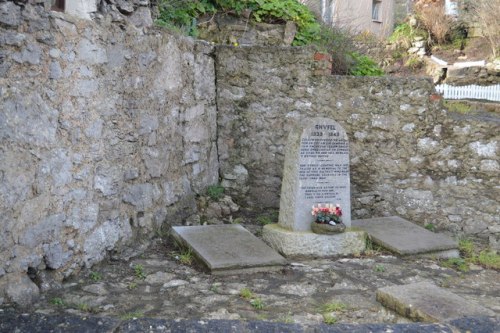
point(308, 244)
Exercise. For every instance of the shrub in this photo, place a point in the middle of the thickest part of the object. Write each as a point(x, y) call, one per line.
point(180, 15)
point(485, 14)
point(404, 34)
point(433, 18)
point(364, 66)
point(339, 44)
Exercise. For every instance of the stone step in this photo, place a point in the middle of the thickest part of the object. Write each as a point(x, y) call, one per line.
point(424, 301)
point(406, 238)
point(228, 249)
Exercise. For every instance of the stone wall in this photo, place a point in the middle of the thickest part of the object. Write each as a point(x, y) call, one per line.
point(109, 130)
point(409, 156)
point(106, 133)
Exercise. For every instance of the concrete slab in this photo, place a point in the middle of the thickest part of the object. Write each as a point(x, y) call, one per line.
point(406, 238)
point(306, 244)
point(228, 249)
point(424, 301)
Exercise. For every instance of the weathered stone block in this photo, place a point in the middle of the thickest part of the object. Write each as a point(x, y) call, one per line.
point(308, 244)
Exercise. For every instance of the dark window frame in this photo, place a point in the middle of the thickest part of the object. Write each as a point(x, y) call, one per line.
point(58, 5)
point(376, 10)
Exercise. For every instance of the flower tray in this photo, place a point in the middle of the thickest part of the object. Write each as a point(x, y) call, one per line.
point(326, 229)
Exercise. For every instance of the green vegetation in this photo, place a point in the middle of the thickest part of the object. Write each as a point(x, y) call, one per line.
point(186, 257)
point(456, 263)
point(263, 220)
point(86, 308)
point(132, 285)
point(214, 288)
point(139, 272)
point(215, 192)
point(183, 15)
point(288, 10)
point(372, 249)
point(489, 259)
point(268, 217)
point(132, 315)
point(287, 319)
point(257, 303)
point(332, 307)
point(430, 227)
point(470, 255)
point(364, 66)
point(95, 276)
point(404, 34)
point(379, 268)
point(458, 106)
point(57, 301)
point(246, 293)
point(329, 319)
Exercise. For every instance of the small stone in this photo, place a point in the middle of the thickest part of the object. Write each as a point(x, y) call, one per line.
point(174, 283)
point(19, 289)
point(96, 289)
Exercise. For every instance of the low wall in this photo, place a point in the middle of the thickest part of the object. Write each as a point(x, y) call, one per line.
point(106, 133)
point(409, 156)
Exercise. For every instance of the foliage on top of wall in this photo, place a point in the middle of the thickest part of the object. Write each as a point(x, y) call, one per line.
point(181, 15)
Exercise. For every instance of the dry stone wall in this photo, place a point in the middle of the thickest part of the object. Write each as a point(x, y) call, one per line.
point(409, 156)
point(106, 133)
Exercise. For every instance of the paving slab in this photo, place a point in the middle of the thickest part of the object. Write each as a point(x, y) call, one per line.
point(406, 238)
point(424, 301)
point(229, 249)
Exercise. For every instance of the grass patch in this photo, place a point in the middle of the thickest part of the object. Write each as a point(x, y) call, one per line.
point(246, 293)
point(186, 257)
point(57, 301)
point(379, 268)
point(458, 106)
point(372, 249)
point(430, 227)
point(456, 263)
point(139, 272)
point(86, 308)
point(95, 276)
point(332, 307)
point(215, 192)
point(329, 319)
point(466, 248)
point(287, 319)
point(469, 255)
point(132, 285)
point(257, 303)
point(489, 259)
point(264, 219)
point(131, 315)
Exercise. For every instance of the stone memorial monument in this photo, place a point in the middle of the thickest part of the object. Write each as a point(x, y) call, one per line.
point(316, 171)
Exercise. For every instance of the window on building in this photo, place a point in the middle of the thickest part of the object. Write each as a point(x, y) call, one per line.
point(376, 10)
point(58, 5)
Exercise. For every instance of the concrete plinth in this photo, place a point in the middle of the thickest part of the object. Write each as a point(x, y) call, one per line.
point(308, 244)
